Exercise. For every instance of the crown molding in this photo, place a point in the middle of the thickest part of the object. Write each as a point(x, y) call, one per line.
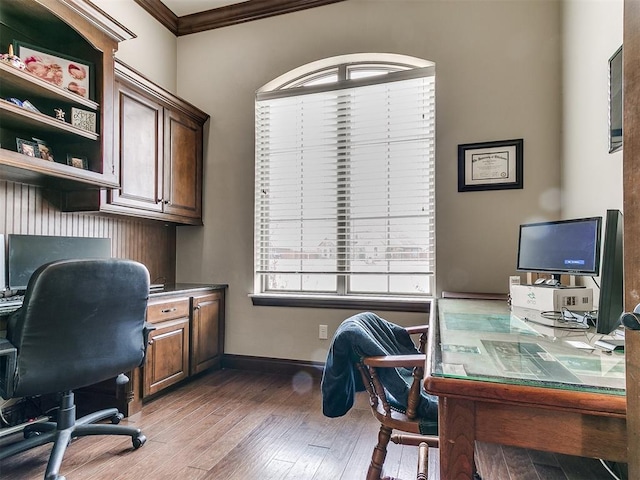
point(225, 16)
point(161, 12)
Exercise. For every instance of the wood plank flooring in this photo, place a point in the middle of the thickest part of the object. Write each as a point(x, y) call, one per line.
point(233, 425)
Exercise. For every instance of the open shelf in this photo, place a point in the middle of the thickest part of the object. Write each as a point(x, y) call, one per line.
point(18, 116)
point(24, 80)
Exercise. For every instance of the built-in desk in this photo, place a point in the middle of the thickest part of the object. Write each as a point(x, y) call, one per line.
point(503, 379)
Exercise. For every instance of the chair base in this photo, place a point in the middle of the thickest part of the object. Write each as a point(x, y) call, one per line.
point(67, 427)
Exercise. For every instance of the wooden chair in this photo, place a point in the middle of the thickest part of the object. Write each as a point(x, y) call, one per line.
point(394, 417)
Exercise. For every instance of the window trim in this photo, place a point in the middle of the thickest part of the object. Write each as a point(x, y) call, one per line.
point(290, 84)
point(351, 302)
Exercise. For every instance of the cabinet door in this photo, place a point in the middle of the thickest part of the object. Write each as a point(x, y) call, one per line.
point(167, 359)
point(183, 165)
point(139, 142)
point(207, 334)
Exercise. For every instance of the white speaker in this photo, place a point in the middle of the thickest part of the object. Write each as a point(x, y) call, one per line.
point(3, 273)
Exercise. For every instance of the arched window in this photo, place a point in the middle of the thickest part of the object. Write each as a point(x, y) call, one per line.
point(344, 199)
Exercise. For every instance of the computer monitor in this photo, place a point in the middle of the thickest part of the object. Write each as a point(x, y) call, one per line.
point(611, 304)
point(28, 252)
point(564, 247)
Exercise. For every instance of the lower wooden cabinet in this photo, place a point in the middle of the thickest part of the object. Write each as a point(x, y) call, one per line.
point(207, 331)
point(188, 337)
point(167, 356)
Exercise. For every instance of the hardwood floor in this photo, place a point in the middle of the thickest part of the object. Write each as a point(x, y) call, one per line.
point(233, 425)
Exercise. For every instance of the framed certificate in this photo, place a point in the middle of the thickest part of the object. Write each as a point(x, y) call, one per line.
point(490, 165)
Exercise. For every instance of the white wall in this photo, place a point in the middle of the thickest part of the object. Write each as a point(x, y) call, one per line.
point(592, 177)
point(498, 76)
point(153, 51)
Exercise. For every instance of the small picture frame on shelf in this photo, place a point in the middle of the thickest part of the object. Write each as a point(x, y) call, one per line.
point(77, 161)
point(61, 70)
point(27, 147)
point(44, 150)
point(83, 119)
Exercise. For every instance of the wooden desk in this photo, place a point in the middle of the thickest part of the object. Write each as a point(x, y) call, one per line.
point(544, 395)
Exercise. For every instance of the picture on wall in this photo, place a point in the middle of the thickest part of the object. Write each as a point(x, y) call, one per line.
point(615, 101)
point(490, 165)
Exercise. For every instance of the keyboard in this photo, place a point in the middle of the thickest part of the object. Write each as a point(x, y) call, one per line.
point(10, 304)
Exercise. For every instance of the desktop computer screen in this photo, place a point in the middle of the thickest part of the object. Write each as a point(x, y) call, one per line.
point(560, 247)
point(28, 252)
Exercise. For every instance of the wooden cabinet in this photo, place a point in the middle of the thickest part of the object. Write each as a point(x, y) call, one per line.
point(188, 339)
point(158, 144)
point(75, 29)
point(167, 360)
point(139, 141)
point(207, 331)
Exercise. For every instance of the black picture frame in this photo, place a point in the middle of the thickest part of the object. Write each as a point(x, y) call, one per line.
point(77, 161)
point(27, 147)
point(70, 73)
point(615, 101)
point(496, 165)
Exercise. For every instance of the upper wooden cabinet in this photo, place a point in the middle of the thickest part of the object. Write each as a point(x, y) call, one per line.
point(71, 30)
point(158, 146)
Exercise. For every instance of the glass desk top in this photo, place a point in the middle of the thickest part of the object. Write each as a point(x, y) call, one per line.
point(485, 340)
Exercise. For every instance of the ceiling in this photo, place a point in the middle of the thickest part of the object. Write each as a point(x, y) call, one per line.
point(188, 7)
point(183, 17)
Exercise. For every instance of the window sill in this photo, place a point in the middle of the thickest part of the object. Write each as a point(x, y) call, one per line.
point(399, 304)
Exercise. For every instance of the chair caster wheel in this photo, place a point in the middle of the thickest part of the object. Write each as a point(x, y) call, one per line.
point(116, 418)
point(139, 441)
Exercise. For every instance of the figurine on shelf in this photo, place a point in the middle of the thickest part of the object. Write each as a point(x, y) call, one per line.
point(12, 59)
point(59, 114)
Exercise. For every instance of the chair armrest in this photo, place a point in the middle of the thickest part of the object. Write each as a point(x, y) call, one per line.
point(146, 331)
point(396, 361)
point(8, 357)
point(417, 329)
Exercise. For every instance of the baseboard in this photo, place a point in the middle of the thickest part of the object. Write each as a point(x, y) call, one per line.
point(272, 365)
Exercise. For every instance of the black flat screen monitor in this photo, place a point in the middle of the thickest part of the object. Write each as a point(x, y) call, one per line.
point(28, 252)
point(564, 247)
point(611, 303)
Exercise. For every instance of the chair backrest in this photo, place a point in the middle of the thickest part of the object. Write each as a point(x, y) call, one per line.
point(82, 322)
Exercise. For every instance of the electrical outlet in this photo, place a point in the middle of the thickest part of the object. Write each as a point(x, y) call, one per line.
point(322, 332)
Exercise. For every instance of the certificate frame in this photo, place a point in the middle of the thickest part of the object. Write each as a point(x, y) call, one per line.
point(496, 165)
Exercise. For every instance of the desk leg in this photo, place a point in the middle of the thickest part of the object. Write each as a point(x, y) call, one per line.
point(457, 438)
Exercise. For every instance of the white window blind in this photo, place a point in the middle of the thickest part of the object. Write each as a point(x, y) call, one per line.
point(344, 199)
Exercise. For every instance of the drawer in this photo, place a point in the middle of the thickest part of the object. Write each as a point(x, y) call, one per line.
point(168, 310)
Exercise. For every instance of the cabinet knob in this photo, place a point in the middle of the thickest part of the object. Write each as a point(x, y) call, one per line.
point(197, 307)
point(166, 202)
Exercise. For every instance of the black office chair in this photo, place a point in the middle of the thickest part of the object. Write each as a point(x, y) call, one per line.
point(82, 322)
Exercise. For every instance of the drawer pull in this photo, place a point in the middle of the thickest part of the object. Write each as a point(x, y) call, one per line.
point(169, 310)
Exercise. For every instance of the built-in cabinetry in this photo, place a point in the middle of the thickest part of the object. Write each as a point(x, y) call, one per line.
point(167, 359)
point(188, 339)
point(142, 158)
point(69, 29)
point(158, 144)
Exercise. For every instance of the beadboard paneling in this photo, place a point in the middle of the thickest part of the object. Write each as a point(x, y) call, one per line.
point(24, 209)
